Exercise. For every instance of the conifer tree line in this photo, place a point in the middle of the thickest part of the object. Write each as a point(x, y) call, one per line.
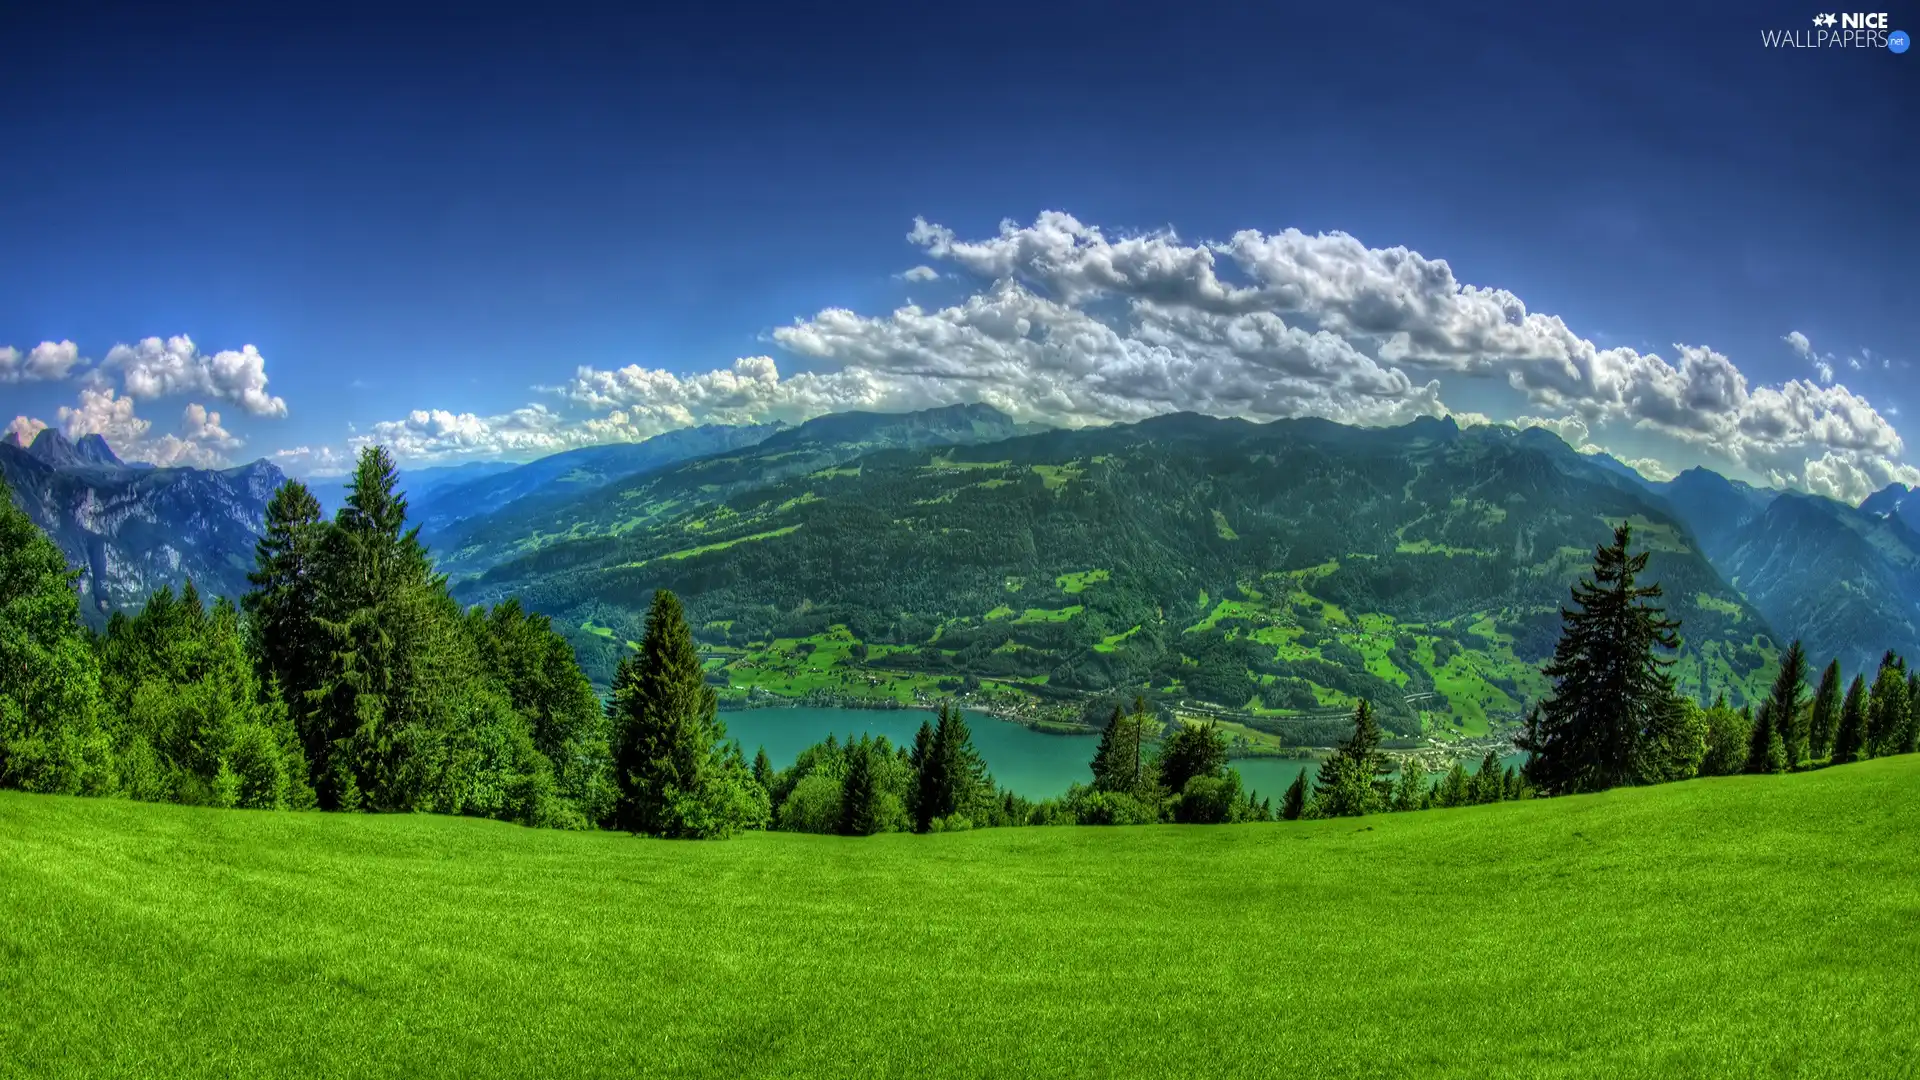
point(349, 679)
point(1615, 716)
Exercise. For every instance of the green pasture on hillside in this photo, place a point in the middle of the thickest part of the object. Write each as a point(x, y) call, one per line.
point(1749, 926)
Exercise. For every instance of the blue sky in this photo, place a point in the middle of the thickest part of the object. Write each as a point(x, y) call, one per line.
point(452, 212)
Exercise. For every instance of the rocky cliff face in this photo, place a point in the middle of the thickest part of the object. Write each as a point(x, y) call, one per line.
point(130, 529)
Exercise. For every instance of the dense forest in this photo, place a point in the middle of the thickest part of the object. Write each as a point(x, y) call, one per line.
point(349, 679)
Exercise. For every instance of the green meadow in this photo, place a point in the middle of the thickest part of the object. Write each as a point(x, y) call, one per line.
point(1745, 926)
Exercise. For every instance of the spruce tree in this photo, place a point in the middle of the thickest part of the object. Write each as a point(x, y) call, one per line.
point(953, 779)
point(1850, 738)
point(1352, 782)
point(1766, 749)
point(1610, 685)
point(1489, 784)
point(393, 664)
point(1887, 707)
point(1294, 802)
point(284, 607)
point(1516, 785)
point(1455, 788)
point(763, 770)
point(1785, 704)
point(1193, 751)
point(1411, 789)
point(859, 793)
point(925, 780)
point(672, 760)
point(1108, 774)
point(1824, 721)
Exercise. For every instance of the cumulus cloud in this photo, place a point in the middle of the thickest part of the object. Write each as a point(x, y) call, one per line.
point(103, 412)
point(200, 442)
point(312, 460)
point(1074, 326)
point(1571, 429)
point(1409, 310)
point(25, 429)
point(1652, 468)
point(46, 362)
point(153, 368)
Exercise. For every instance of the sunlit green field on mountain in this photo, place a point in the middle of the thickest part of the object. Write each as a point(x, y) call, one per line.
point(1272, 574)
point(1750, 926)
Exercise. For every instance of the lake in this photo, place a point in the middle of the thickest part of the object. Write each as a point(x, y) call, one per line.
point(1031, 763)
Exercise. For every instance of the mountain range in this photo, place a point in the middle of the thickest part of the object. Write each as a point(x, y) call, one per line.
point(1273, 572)
point(130, 529)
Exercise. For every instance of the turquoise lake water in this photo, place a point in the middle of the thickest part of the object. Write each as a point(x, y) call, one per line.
point(1029, 762)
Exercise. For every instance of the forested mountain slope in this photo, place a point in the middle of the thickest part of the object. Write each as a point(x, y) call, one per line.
point(721, 465)
point(1845, 581)
point(1277, 570)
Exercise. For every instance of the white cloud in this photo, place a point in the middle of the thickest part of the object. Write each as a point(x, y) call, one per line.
point(1411, 311)
point(201, 442)
point(46, 362)
point(921, 273)
point(1571, 429)
point(153, 368)
point(103, 412)
point(312, 460)
point(1652, 468)
point(1072, 326)
point(25, 429)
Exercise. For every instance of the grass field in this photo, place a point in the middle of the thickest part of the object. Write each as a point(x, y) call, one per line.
point(1737, 927)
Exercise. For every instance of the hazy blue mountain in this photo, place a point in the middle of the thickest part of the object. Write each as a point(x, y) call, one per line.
point(132, 529)
point(573, 471)
point(542, 518)
point(421, 485)
point(1896, 500)
point(1843, 580)
point(1715, 509)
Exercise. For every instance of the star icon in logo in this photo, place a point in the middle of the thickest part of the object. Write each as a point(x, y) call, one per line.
point(1824, 20)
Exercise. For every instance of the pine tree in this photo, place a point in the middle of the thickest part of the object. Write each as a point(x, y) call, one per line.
point(285, 607)
point(1489, 785)
point(1785, 705)
point(953, 779)
point(393, 661)
point(51, 733)
point(926, 780)
point(1455, 789)
point(1352, 781)
point(1193, 751)
point(1109, 774)
point(1850, 739)
point(763, 770)
point(1516, 784)
point(1294, 802)
point(1887, 707)
point(1411, 788)
point(859, 793)
point(671, 756)
point(1610, 686)
point(1824, 720)
point(1766, 750)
